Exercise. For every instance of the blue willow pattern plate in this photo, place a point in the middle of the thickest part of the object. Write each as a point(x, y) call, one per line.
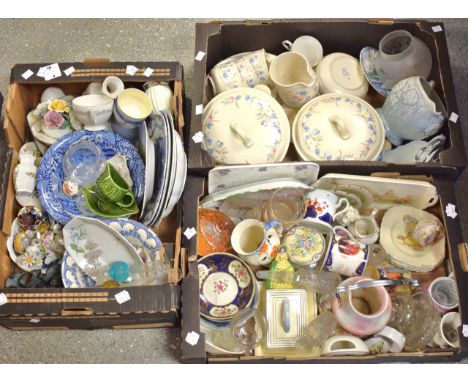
point(226, 286)
point(367, 60)
point(145, 241)
point(50, 174)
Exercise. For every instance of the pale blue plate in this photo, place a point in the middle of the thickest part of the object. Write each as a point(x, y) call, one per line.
point(50, 174)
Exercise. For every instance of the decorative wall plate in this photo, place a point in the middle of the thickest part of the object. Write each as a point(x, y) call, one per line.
point(392, 239)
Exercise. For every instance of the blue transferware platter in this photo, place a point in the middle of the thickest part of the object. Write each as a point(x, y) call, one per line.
point(137, 234)
point(50, 174)
point(226, 286)
point(159, 134)
point(367, 60)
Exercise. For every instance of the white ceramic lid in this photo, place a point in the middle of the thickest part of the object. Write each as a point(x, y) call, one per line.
point(338, 127)
point(245, 126)
point(342, 73)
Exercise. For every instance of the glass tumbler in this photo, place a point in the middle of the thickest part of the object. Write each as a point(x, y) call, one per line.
point(287, 206)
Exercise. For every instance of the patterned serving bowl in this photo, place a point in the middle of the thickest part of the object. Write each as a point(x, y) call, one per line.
point(227, 285)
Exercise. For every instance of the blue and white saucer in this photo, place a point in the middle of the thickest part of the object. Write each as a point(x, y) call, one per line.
point(367, 60)
point(50, 174)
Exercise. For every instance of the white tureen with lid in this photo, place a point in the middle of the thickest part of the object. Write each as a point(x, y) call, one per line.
point(245, 126)
point(338, 127)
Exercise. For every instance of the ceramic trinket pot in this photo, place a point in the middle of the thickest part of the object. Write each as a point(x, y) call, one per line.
point(402, 55)
point(322, 206)
point(413, 110)
point(30, 217)
point(245, 125)
point(338, 127)
point(294, 79)
point(226, 286)
point(305, 245)
point(215, 229)
point(256, 242)
point(363, 311)
point(342, 74)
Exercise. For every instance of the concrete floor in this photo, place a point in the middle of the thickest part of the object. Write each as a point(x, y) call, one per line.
point(23, 41)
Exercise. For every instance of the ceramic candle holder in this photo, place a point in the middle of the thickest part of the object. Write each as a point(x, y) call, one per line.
point(364, 311)
point(294, 79)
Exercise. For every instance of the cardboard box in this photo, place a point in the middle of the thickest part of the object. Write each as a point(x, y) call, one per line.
point(55, 308)
point(222, 39)
point(456, 257)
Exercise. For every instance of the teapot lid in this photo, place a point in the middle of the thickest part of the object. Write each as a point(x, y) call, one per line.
point(245, 126)
point(338, 127)
point(342, 73)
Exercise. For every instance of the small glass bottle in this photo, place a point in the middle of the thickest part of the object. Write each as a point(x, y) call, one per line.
point(317, 332)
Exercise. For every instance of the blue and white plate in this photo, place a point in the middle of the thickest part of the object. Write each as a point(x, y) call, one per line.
point(159, 134)
point(73, 276)
point(137, 234)
point(50, 175)
point(367, 60)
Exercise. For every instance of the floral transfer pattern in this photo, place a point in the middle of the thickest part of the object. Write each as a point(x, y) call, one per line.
point(264, 115)
point(300, 94)
point(224, 311)
point(314, 138)
point(240, 273)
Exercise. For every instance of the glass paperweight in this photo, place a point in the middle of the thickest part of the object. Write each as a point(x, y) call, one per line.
point(249, 328)
point(414, 316)
point(83, 163)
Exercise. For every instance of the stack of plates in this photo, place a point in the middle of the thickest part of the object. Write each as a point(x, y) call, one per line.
point(166, 171)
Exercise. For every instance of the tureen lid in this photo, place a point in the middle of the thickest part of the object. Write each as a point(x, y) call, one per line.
point(245, 125)
point(342, 73)
point(338, 127)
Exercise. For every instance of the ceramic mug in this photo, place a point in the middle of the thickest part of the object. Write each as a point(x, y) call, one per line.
point(24, 178)
point(443, 294)
point(113, 188)
point(413, 110)
point(401, 55)
point(346, 255)
point(257, 243)
point(294, 79)
point(366, 229)
point(131, 107)
point(233, 74)
point(365, 311)
point(322, 206)
point(447, 335)
point(308, 46)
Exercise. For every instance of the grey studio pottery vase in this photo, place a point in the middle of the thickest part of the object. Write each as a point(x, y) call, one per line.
point(401, 55)
point(413, 110)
